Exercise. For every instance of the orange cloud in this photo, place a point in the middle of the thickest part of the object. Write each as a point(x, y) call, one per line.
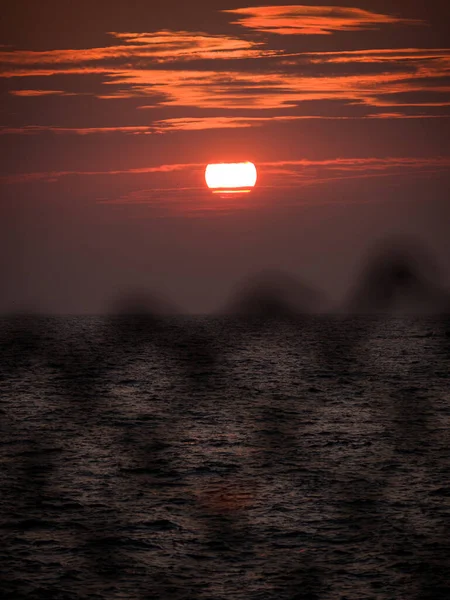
point(230, 122)
point(225, 90)
point(292, 172)
point(197, 124)
point(440, 55)
point(361, 163)
point(32, 93)
point(376, 102)
point(311, 20)
point(281, 175)
point(35, 129)
point(299, 173)
point(191, 197)
point(159, 46)
point(55, 175)
point(31, 71)
point(203, 123)
point(398, 115)
point(156, 67)
point(257, 90)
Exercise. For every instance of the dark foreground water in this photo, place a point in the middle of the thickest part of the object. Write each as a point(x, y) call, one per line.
point(212, 458)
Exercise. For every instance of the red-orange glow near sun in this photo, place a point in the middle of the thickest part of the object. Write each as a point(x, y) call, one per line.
point(231, 178)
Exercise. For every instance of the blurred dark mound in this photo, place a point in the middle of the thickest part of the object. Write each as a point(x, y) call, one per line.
point(274, 294)
point(143, 304)
point(399, 277)
point(136, 316)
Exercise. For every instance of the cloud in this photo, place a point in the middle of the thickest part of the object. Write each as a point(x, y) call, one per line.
point(299, 173)
point(150, 192)
point(398, 115)
point(276, 87)
point(292, 172)
point(226, 122)
point(311, 20)
point(36, 129)
point(285, 176)
point(232, 122)
point(56, 175)
point(200, 124)
point(268, 90)
point(261, 90)
point(182, 73)
point(32, 71)
point(383, 55)
point(159, 47)
point(370, 163)
point(33, 93)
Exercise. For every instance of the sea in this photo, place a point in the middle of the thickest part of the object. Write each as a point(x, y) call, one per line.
point(225, 457)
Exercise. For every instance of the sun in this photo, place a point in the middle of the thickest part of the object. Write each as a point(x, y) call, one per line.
point(231, 178)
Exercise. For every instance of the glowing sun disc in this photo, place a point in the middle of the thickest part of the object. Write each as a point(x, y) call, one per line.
point(231, 176)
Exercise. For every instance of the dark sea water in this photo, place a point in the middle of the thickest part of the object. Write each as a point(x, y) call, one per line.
point(216, 457)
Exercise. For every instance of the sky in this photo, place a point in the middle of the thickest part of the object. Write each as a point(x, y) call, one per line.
point(111, 110)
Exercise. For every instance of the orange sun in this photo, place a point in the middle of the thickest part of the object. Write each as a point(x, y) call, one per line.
point(231, 178)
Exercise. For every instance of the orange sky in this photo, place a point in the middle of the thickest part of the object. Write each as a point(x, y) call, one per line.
point(119, 113)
